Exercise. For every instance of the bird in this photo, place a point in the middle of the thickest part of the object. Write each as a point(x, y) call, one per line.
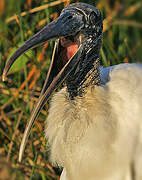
point(93, 127)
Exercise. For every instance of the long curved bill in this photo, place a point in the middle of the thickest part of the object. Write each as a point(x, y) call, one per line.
point(50, 32)
point(44, 97)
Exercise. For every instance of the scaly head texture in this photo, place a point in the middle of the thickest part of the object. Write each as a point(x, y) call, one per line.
point(86, 72)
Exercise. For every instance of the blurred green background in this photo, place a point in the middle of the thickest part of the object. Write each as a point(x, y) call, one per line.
point(19, 20)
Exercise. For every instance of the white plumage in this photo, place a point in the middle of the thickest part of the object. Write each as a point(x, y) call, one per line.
point(98, 136)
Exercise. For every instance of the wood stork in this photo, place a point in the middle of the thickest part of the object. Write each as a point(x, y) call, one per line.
point(94, 124)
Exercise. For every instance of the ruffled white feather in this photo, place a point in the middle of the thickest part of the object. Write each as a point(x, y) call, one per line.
point(99, 136)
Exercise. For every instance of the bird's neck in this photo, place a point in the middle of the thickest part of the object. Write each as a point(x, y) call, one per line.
point(86, 73)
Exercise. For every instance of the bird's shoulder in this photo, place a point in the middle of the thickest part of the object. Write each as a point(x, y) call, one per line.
point(119, 71)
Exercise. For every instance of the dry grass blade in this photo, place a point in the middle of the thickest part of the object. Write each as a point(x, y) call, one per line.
point(128, 23)
point(13, 137)
point(35, 80)
point(132, 9)
point(13, 112)
point(8, 122)
point(40, 8)
point(2, 6)
point(29, 3)
point(4, 134)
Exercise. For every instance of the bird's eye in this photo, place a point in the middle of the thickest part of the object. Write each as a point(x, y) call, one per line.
point(70, 17)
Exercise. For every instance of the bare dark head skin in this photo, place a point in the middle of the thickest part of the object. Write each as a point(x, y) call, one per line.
point(78, 34)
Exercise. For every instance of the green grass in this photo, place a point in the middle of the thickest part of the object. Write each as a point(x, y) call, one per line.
point(122, 42)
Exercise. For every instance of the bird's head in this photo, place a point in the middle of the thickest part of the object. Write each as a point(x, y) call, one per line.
point(76, 31)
